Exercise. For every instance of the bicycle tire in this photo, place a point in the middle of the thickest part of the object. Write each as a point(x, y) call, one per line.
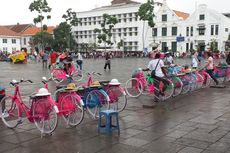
point(55, 79)
point(133, 87)
point(10, 108)
point(78, 75)
point(71, 109)
point(117, 96)
point(207, 79)
point(43, 110)
point(178, 86)
point(186, 84)
point(169, 90)
point(96, 100)
point(200, 81)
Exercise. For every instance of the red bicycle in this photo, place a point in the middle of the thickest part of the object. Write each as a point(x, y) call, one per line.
point(42, 111)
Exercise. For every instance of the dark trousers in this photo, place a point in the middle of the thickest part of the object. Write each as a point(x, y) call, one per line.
point(157, 81)
point(210, 72)
point(107, 63)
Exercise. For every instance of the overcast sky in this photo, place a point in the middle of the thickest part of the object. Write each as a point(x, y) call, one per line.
point(16, 11)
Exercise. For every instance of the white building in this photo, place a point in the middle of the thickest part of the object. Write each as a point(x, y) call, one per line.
point(204, 27)
point(136, 34)
point(9, 40)
point(168, 28)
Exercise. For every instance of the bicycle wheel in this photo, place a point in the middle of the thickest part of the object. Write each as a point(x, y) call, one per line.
point(133, 87)
point(9, 112)
point(54, 76)
point(186, 84)
point(178, 86)
point(72, 111)
point(117, 96)
point(96, 100)
point(169, 90)
point(199, 81)
point(207, 79)
point(44, 115)
point(193, 82)
point(78, 75)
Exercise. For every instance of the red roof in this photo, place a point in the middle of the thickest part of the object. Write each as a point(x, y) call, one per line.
point(19, 27)
point(34, 30)
point(4, 31)
point(181, 14)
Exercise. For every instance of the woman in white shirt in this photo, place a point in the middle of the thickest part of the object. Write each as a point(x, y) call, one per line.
point(210, 67)
point(79, 60)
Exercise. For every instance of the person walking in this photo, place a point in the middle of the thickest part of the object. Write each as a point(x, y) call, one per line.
point(107, 61)
point(195, 61)
point(45, 58)
point(210, 67)
point(79, 60)
point(228, 59)
point(53, 59)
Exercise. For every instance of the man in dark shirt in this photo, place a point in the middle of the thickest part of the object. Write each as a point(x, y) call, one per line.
point(107, 61)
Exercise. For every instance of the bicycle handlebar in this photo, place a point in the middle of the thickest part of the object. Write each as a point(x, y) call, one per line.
point(94, 73)
point(14, 82)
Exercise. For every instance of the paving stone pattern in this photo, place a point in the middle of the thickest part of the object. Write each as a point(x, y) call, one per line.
point(198, 122)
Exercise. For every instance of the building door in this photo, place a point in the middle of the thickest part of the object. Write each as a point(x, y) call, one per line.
point(164, 47)
point(174, 46)
point(201, 47)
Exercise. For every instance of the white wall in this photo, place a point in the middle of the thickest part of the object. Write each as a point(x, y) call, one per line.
point(9, 45)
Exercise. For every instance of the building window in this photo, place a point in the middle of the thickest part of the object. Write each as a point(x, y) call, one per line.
point(13, 41)
point(174, 46)
point(124, 20)
point(130, 29)
point(24, 41)
point(130, 19)
point(164, 46)
point(124, 15)
point(135, 33)
point(202, 17)
point(201, 30)
point(191, 46)
point(125, 34)
point(155, 32)
point(164, 17)
point(4, 41)
point(124, 29)
point(14, 49)
point(119, 20)
point(187, 31)
point(130, 14)
point(119, 34)
point(130, 34)
point(191, 31)
point(226, 29)
point(174, 31)
point(5, 49)
point(135, 28)
point(164, 31)
point(187, 47)
point(217, 30)
point(212, 30)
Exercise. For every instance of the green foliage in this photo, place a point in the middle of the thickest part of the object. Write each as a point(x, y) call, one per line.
point(105, 33)
point(42, 38)
point(71, 17)
point(213, 45)
point(41, 7)
point(146, 12)
point(62, 37)
point(120, 44)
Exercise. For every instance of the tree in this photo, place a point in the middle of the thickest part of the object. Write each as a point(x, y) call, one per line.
point(70, 20)
point(105, 33)
point(146, 13)
point(62, 36)
point(43, 10)
point(46, 39)
point(213, 45)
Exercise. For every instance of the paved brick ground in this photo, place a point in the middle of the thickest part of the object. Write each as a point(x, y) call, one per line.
point(192, 123)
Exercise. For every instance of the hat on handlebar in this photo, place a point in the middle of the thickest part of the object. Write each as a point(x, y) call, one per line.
point(43, 92)
point(71, 86)
point(114, 82)
point(95, 84)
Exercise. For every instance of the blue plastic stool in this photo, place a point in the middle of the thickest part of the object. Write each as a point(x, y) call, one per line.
point(108, 127)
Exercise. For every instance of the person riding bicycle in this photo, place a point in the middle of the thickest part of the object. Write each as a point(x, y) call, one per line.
point(210, 67)
point(65, 62)
point(156, 66)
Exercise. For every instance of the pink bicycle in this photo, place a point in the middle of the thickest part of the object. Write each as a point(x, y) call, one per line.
point(69, 104)
point(42, 110)
point(59, 75)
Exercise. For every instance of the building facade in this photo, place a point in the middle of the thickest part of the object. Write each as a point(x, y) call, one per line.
point(136, 34)
point(9, 40)
point(206, 29)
